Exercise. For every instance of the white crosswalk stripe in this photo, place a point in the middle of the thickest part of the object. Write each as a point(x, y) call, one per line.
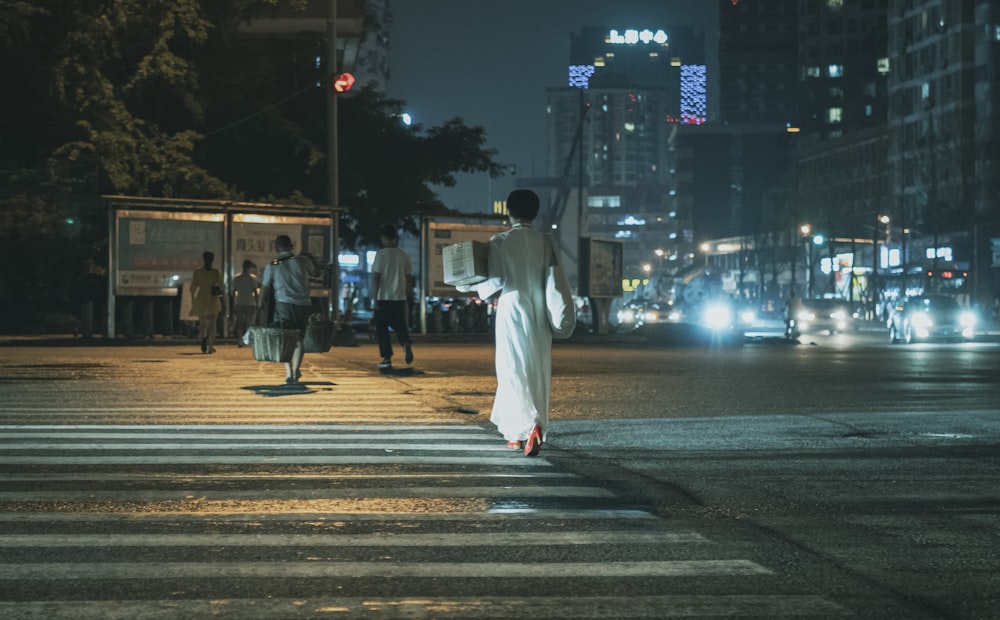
point(346, 520)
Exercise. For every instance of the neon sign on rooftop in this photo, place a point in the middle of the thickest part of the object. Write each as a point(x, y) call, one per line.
point(632, 37)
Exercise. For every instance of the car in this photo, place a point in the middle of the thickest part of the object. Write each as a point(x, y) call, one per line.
point(638, 312)
point(829, 315)
point(931, 317)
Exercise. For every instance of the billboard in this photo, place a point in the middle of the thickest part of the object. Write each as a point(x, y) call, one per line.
point(601, 267)
point(253, 239)
point(157, 250)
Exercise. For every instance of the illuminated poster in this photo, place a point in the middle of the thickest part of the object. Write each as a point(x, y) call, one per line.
point(157, 251)
point(601, 267)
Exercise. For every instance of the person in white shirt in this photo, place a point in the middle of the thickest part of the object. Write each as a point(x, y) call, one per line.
point(393, 287)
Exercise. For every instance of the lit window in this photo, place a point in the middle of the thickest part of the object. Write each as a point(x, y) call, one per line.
point(834, 115)
point(996, 34)
point(812, 71)
point(348, 260)
point(598, 202)
point(868, 109)
point(942, 253)
point(925, 91)
point(883, 65)
point(835, 71)
point(835, 4)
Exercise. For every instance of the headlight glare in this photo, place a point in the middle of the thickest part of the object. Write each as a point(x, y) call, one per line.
point(967, 319)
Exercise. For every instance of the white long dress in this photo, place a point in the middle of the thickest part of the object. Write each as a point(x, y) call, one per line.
point(517, 264)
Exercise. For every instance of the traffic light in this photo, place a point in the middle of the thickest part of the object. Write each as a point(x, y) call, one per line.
point(343, 82)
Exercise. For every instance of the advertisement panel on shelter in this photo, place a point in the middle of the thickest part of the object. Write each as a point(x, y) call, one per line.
point(158, 250)
point(253, 239)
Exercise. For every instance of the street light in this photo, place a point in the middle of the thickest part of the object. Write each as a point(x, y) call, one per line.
point(805, 230)
point(705, 247)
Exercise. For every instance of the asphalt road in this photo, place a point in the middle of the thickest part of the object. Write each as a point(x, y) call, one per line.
point(840, 477)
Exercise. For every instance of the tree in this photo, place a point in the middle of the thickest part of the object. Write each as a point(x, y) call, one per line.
point(387, 168)
point(166, 98)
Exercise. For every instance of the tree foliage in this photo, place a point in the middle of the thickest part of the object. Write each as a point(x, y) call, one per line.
point(170, 98)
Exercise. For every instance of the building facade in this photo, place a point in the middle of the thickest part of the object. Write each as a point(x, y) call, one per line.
point(943, 122)
point(612, 140)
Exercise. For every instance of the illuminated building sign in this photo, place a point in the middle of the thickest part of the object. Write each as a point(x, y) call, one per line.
point(579, 75)
point(633, 37)
point(693, 94)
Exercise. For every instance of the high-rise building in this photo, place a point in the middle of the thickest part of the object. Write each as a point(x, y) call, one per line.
point(944, 125)
point(843, 59)
point(758, 63)
point(612, 131)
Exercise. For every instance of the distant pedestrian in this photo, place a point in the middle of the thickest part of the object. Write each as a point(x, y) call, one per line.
point(518, 259)
point(245, 291)
point(288, 276)
point(208, 293)
point(793, 307)
point(393, 286)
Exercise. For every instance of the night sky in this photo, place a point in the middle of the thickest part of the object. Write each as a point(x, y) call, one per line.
point(490, 63)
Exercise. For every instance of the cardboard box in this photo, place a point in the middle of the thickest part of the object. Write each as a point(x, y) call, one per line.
point(465, 262)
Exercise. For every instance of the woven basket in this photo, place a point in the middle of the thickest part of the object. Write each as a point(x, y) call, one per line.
point(273, 344)
point(319, 337)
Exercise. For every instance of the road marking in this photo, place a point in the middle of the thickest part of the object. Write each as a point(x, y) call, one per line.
point(286, 428)
point(555, 608)
point(57, 571)
point(266, 447)
point(352, 540)
point(148, 477)
point(295, 515)
point(512, 460)
point(142, 495)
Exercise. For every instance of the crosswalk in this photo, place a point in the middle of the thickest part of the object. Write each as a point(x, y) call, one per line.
point(347, 520)
point(229, 394)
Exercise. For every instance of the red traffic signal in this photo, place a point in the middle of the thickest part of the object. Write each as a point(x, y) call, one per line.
point(343, 82)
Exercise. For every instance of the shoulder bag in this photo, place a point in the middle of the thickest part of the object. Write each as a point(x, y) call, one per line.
point(559, 304)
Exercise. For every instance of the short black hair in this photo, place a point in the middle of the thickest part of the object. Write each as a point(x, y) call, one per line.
point(283, 243)
point(389, 232)
point(523, 204)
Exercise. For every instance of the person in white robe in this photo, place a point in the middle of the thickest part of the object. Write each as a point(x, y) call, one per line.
point(517, 264)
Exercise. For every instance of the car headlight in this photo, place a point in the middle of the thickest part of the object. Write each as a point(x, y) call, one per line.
point(718, 316)
point(748, 316)
point(806, 316)
point(626, 316)
point(921, 319)
point(967, 319)
point(651, 316)
point(839, 315)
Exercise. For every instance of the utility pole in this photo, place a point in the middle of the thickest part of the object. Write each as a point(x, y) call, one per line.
point(332, 65)
point(333, 180)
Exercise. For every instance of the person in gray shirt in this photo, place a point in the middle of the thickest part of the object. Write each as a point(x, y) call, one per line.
point(288, 276)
